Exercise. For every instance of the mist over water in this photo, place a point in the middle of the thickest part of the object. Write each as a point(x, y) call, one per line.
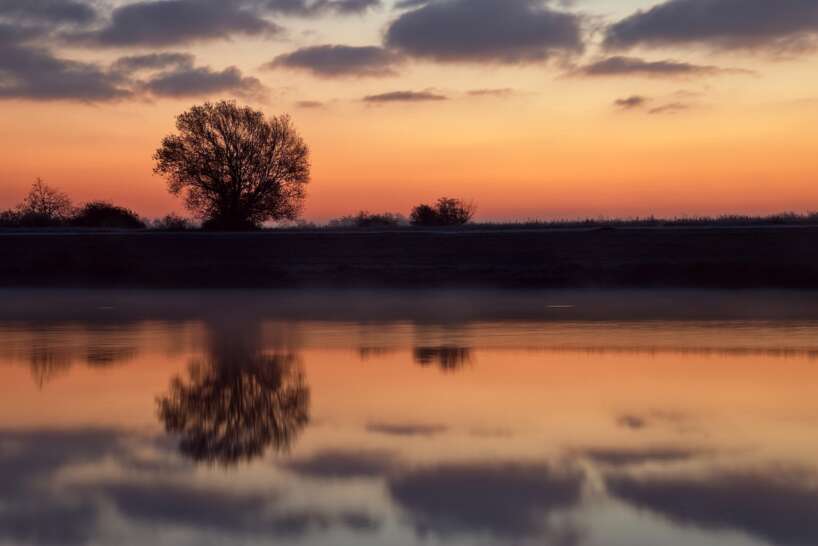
point(415, 417)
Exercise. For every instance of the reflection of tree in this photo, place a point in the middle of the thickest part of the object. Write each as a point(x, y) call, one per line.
point(52, 350)
point(46, 364)
point(446, 358)
point(237, 403)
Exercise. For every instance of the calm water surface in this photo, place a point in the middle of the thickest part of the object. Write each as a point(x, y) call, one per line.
point(405, 418)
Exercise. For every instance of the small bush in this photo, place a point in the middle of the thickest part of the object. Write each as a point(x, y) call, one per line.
point(367, 220)
point(446, 212)
point(100, 214)
point(229, 224)
point(9, 218)
point(173, 222)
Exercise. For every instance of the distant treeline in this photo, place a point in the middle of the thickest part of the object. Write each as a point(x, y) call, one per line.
point(46, 207)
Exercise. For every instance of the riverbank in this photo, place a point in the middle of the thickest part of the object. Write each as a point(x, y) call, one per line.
point(700, 257)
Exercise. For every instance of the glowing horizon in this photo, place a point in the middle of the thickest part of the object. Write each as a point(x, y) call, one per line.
point(696, 120)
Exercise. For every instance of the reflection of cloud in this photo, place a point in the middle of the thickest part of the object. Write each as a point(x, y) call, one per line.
point(446, 358)
point(636, 422)
point(775, 504)
point(239, 513)
point(337, 464)
point(37, 508)
point(406, 429)
point(32, 512)
point(506, 500)
point(625, 456)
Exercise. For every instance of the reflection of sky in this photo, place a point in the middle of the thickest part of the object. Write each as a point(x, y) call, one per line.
point(544, 433)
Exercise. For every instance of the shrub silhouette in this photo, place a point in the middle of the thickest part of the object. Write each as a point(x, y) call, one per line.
point(446, 212)
point(235, 168)
point(99, 214)
point(172, 222)
point(367, 220)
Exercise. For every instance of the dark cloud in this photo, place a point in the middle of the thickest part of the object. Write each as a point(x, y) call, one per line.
point(775, 505)
point(638, 102)
point(720, 23)
point(317, 7)
point(499, 93)
point(633, 66)
point(406, 429)
point(504, 31)
point(505, 500)
point(309, 104)
point(631, 103)
point(201, 81)
point(337, 61)
point(48, 11)
point(34, 73)
point(670, 108)
point(168, 22)
point(153, 61)
point(405, 96)
point(344, 464)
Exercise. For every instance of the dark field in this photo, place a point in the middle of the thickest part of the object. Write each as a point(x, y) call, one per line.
point(696, 257)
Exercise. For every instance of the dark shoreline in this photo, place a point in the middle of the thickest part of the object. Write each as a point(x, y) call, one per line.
point(698, 257)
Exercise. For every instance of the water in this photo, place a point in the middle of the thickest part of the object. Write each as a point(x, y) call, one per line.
point(408, 418)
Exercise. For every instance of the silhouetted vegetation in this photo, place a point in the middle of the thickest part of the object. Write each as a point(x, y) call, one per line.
point(44, 206)
point(367, 220)
point(173, 222)
point(99, 214)
point(446, 212)
point(235, 168)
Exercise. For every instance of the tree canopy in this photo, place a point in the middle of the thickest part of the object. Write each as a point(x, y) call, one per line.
point(235, 167)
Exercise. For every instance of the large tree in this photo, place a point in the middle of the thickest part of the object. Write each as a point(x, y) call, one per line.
point(235, 168)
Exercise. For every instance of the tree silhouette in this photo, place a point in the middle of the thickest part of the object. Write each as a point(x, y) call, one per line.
point(236, 404)
point(235, 168)
point(44, 205)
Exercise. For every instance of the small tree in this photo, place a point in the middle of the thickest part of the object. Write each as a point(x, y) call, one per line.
point(44, 205)
point(235, 168)
point(446, 212)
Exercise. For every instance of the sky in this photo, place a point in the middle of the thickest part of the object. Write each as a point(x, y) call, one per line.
point(532, 109)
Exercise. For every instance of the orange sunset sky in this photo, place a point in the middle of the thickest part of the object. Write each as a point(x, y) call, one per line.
point(532, 109)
